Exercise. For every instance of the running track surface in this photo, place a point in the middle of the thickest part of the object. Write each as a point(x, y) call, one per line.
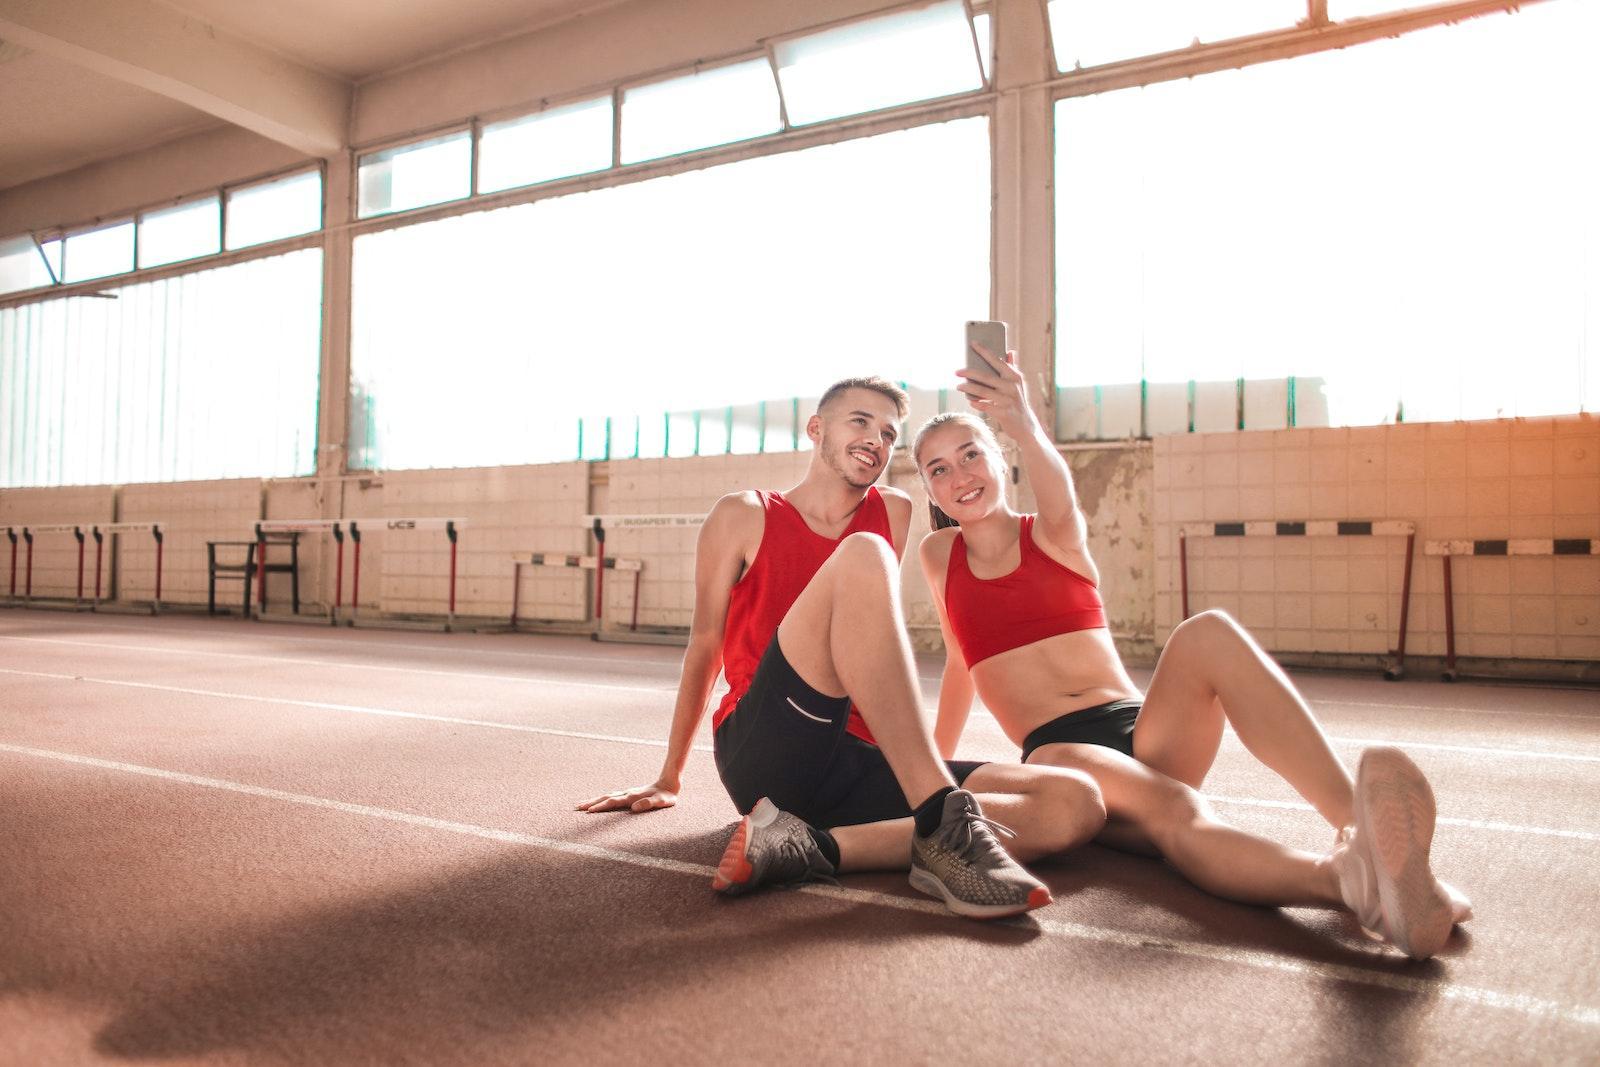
point(225, 842)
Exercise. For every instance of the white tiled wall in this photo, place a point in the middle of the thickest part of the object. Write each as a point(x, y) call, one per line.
point(507, 509)
point(190, 514)
point(1526, 478)
point(55, 555)
point(1513, 478)
point(667, 487)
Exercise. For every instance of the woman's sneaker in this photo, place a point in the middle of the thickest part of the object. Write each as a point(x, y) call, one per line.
point(964, 864)
point(770, 847)
point(1382, 862)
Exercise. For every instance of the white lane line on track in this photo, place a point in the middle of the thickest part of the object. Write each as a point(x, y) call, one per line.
point(668, 683)
point(1442, 820)
point(1476, 750)
point(652, 742)
point(1471, 750)
point(1500, 713)
point(478, 676)
point(1472, 996)
point(102, 621)
point(357, 709)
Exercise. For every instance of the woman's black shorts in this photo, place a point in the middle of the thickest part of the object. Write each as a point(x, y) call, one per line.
point(1108, 725)
point(786, 741)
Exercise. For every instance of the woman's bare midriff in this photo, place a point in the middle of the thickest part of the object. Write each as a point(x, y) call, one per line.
point(1029, 686)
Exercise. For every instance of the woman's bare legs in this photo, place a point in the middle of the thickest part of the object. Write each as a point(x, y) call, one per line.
point(1212, 671)
point(1147, 808)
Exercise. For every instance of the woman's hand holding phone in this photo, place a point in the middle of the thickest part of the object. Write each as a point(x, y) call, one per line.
point(994, 386)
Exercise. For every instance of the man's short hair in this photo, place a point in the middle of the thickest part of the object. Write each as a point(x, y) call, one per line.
point(882, 386)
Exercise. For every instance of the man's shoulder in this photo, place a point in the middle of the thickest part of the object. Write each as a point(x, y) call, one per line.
point(736, 511)
point(896, 502)
point(893, 497)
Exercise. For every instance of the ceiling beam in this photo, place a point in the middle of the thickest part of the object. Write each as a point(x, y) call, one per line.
point(185, 59)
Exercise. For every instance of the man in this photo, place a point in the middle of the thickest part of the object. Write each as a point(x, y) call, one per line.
point(820, 740)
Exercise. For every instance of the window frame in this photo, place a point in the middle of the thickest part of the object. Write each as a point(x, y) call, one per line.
point(621, 90)
point(225, 257)
point(1316, 34)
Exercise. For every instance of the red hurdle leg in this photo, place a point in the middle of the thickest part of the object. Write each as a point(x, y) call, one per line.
point(1405, 605)
point(516, 590)
point(261, 573)
point(99, 552)
point(1183, 571)
point(636, 576)
point(450, 531)
point(1449, 624)
point(79, 534)
point(338, 572)
point(155, 605)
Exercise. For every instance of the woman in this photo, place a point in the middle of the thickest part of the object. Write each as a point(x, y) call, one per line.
point(1025, 628)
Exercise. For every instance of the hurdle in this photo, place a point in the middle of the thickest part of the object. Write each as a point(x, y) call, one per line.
point(520, 560)
point(1536, 546)
point(115, 528)
point(298, 526)
point(353, 528)
point(1310, 528)
point(599, 524)
point(451, 528)
point(28, 534)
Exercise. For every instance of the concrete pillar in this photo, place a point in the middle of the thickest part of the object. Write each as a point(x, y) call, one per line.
point(1024, 192)
point(333, 416)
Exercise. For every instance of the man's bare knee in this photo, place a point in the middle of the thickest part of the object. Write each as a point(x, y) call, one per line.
point(864, 553)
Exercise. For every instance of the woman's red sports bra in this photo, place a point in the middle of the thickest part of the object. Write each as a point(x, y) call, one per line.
point(1040, 599)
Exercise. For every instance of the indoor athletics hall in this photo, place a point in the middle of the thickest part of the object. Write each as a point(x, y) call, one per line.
point(400, 404)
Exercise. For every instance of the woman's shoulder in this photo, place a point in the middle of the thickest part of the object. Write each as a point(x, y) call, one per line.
point(1078, 561)
point(935, 547)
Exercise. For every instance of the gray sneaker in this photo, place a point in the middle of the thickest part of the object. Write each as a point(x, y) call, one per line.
point(963, 864)
point(770, 847)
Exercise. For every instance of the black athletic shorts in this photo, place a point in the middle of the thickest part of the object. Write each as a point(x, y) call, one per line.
point(786, 741)
point(1108, 725)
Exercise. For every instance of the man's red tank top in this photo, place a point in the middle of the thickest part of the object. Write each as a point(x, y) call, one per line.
point(791, 553)
point(1040, 599)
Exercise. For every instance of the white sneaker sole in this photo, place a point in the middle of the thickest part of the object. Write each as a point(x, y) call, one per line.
point(1395, 817)
point(925, 881)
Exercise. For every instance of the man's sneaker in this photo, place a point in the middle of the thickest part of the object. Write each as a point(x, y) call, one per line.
point(963, 864)
point(770, 847)
point(1382, 861)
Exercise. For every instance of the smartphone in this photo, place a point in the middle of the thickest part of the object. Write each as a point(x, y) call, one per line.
point(992, 336)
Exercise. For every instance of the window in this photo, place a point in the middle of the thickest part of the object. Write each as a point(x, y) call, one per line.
point(983, 28)
point(700, 312)
point(1330, 239)
point(558, 143)
point(99, 253)
point(211, 374)
point(182, 232)
point(22, 265)
point(877, 63)
point(273, 210)
point(1086, 33)
point(713, 107)
point(415, 175)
